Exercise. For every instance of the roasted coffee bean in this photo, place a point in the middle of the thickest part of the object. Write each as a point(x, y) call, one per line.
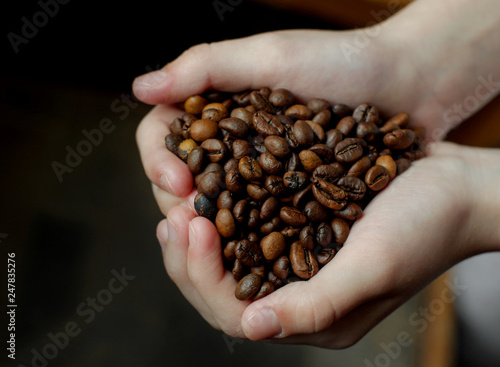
point(399, 139)
point(400, 120)
point(272, 245)
point(230, 164)
point(319, 133)
point(240, 210)
point(310, 160)
point(302, 261)
point(211, 184)
point(265, 289)
point(228, 251)
point(324, 234)
point(341, 110)
point(329, 172)
point(257, 192)
point(345, 125)
point(195, 160)
point(301, 197)
point(253, 237)
point(215, 149)
point(359, 168)
point(389, 164)
point(348, 150)
point(269, 208)
point(176, 126)
point(253, 219)
point(277, 282)
point(224, 221)
point(328, 194)
point(366, 112)
point(315, 212)
point(266, 124)
point(340, 229)
point(290, 138)
point(323, 118)
point(250, 169)
point(172, 142)
point(214, 111)
point(299, 112)
point(354, 187)
point(292, 216)
point(275, 185)
point(377, 178)
point(295, 180)
point(195, 104)
point(249, 253)
point(290, 232)
point(293, 163)
point(241, 148)
point(351, 211)
point(317, 105)
point(234, 126)
point(367, 130)
point(185, 147)
point(225, 200)
point(211, 167)
point(259, 270)
point(243, 115)
point(186, 128)
point(303, 133)
point(281, 267)
point(248, 286)
point(325, 255)
point(273, 225)
point(324, 152)
point(270, 164)
point(238, 270)
point(307, 237)
point(202, 130)
point(277, 146)
point(260, 102)
point(204, 206)
point(332, 138)
point(281, 98)
point(234, 181)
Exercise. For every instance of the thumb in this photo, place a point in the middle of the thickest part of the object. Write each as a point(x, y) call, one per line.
point(240, 64)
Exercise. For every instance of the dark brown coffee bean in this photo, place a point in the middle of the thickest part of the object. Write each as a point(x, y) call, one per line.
point(329, 172)
point(250, 169)
point(274, 225)
point(270, 164)
point(243, 115)
point(333, 137)
point(340, 229)
point(281, 267)
point(281, 98)
point(399, 139)
point(377, 178)
point(303, 133)
point(249, 253)
point(402, 165)
point(307, 237)
point(257, 192)
point(234, 181)
point(341, 110)
point(253, 219)
point(367, 130)
point(328, 194)
point(248, 286)
point(359, 168)
point(176, 126)
point(277, 282)
point(302, 261)
point(204, 206)
point(253, 237)
point(269, 208)
point(272, 245)
point(277, 146)
point(310, 160)
point(225, 200)
point(240, 211)
point(260, 102)
point(274, 185)
point(215, 149)
point(186, 128)
point(195, 160)
point(315, 212)
point(290, 233)
point(389, 164)
point(324, 234)
point(348, 150)
point(259, 270)
point(292, 216)
point(301, 197)
point(266, 124)
point(346, 124)
point(293, 163)
point(230, 164)
point(211, 167)
point(211, 184)
point(265, 289)
point(295, 180)
point(290, 138)
point(325, 255)
point(319, 133)
point(366, 112)
point(241, 148)
point(234, 126)
point(238, 270)
point(316, 105)
point(202, 130)
point(351, 211)
point(299, 112)
point(400, 120)
point(195, 104)
point(323, 118)
point(354, 187)
point(214, 111)
point(324, 152)
point(172, 142)
point(224, 222)
point(229, 251)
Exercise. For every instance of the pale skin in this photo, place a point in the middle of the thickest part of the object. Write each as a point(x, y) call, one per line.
point(441, 211)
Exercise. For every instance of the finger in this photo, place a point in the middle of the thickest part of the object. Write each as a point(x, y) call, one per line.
point(215, 284)
point(162, 167)
point(166, 201)
point(173, 236)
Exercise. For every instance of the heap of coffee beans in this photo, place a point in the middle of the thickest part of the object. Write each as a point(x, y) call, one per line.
point(284, 181)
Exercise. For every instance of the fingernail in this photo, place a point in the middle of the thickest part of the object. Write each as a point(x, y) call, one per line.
point(165, 183)
point(262, 324)
point(152, 79)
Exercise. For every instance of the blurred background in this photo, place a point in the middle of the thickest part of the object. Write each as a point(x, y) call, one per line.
point(91, 289)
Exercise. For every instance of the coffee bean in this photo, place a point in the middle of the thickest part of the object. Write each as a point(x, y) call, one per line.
point(402, 165)
point(269, 208)
point(257, 192)
point(225, 200)
point(247, 286)
point(202, 130)
point(348, 150)
point(367, 131)
point(354, 187)
point(323, 118)
point(332, 138)
point(324, 152)
point(307, 237)
point(273, 225)
point(243, 115)
point(399, 139)
point(341, 110)
point(340, 230)
point(259, 102)
point(240, 210)
point(185, 147)
point(265, 289)
point(204, 206)
point(270, 164)
point(224, 222)
point(215, 149)
point(214, 111)
point(195, 160)
point(389, 164)
point(377, 178)
point(228, 251)
point(253, 219)
point(295, 180)
point(272, 245)
point(366, 112)
point(238, 270)
point(176, 126)
point(234, 126)
point(250, 169)
point(317, 105)
point(345, 125)
point(281, 267)
point(325, 255)
point(249, 253)
point(303, 133)
point(324, 234)
point(319, 133)
point(299, 112)
point(315, 212)
point(266, 124)
point(241, 148)
point(234, 181)
point(302, 261)
point(359, 168)
point(310, 160)
point(172, 142)
point(211, 184)
point(351, 211)
point(195, 104)
point(293, 163)
point(277, 146)
point(292, 216)
point(329, 172)
point(281, 98)
point(275, 185)
point(328, 194)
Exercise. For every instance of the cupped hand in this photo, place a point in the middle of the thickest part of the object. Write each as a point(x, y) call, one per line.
point(425, 221)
